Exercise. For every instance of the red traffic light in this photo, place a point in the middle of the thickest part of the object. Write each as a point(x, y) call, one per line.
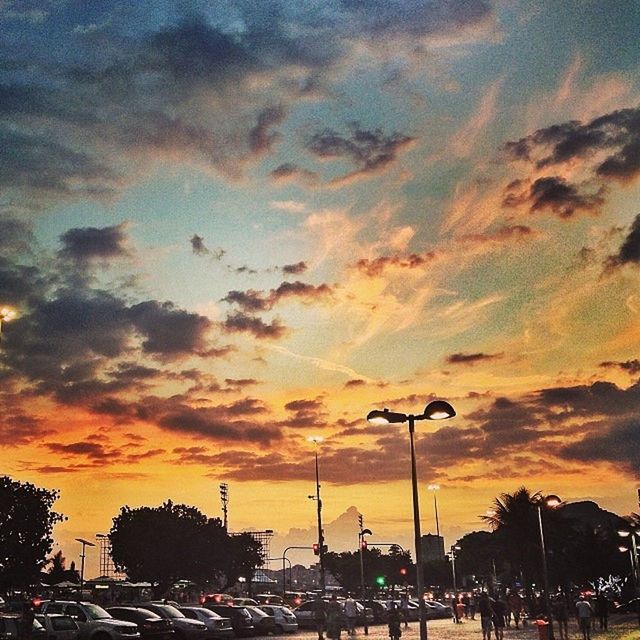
point(364, 544)
point(316, 549)
point(403, 571)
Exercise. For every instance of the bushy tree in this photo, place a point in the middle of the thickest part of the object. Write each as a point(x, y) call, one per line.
point(58, 572)
point(176, 541)
point(26, 527)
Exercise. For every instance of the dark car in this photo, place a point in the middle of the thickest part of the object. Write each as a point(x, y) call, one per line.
point(633, 606)
point(262, 621)
point(378, 610)
point(241, 619)
point(151, 625)
point(10, 628)
point(185, 628)
point(219, 627)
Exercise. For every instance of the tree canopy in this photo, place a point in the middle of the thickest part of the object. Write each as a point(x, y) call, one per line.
point(176, 541)
point(26, 527)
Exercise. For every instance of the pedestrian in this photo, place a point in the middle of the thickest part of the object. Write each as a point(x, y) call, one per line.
point(460, 608)
point(334, 618)
point(472, 606)
point(465, 602)
point(602, 611)
point(583, 613)
point(561, 615)
point(454, 610)
point(486, 613)
point(499, 610)
point(515, 605)
point(404, 608)
point(351, 611)
point(393, 622)
point(320, 616)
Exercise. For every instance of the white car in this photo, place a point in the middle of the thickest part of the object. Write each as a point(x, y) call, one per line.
point(286, 621)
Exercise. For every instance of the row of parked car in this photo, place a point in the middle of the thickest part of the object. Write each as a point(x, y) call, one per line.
point(213, 619)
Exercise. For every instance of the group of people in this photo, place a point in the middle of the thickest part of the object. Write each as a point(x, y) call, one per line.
point(330, 616)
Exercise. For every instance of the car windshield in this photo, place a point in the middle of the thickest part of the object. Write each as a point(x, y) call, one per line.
point(95, 612)
point(171, 611)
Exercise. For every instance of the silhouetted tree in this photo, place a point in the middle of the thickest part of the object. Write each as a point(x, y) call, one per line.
point(176, 541)
point(26, 526)
point(58, 571)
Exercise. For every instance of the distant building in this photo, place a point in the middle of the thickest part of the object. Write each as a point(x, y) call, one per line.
point(432, 547)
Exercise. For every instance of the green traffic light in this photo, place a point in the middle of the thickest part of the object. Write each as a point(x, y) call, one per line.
point(381, 581)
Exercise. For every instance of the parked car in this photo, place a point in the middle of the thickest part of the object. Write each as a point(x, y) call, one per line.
point(217, 598)
point(59, 627)
point(10, 628)
point(378, 610)
point(241, 619)
point(285, 619)
point(306, 617)
point(95, 623)
point(269, 598)
point(219, 627)
point(185, 629)
point(244, 602)
point(151, 625)
point(438, 611)
point(263, 622)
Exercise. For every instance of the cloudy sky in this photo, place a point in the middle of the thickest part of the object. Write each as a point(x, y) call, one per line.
point(228, 226)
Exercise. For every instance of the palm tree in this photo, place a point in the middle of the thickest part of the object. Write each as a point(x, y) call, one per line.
point(513, 518)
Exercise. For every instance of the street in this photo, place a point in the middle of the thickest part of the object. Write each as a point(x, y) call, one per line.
point(621, 627)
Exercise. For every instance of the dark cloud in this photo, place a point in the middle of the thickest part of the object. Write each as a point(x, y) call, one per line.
point(629, 252)
point(306, 414)
point(289, 172)
point(295, 269)
point(86, 244)
point(242, 323)
point(351, 384)
point(617, 444)
point(18, 428)
point(370, 151)
point(169, 331)
point(261, 138)
point(555, 194)
point(200, 249)
point(630, 366)
point(377, 266)
point(255, 301)
point(472, 358)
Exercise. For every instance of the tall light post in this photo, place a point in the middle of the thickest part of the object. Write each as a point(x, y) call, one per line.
point(321, 547)
point(361, 546)
point(551, 502)
point(435, 410)
point(452, 555)
point(84, 543)
point(631, 533)
point(435, 488)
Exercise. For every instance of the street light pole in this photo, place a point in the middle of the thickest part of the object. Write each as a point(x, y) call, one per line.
point(284, 557)
point(550, 501)
point(84, 543)
point(452, 555)
point(316, 440)
point(361, 543)
point(435, 410)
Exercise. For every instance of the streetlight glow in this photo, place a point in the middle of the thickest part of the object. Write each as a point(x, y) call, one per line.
point(315, 439)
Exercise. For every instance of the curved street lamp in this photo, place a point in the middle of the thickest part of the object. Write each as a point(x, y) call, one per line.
point(435, 410)
point(551, 502)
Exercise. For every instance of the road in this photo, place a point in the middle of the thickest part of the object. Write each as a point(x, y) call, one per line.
point(620, 628)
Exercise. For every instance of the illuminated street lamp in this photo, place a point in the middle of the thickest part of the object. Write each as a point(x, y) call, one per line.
point(435, 488)
point(321, 547)
point(551, 502)
point(84, 543)
point(435, 410)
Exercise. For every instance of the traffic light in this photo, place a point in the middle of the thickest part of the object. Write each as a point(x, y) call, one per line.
point(363, 543)
point(316, 549)
point(403, 571)
point(381, 581)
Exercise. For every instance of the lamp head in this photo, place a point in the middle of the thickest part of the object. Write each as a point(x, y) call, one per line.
point(366, 532)
point(624, 533)
point(622, 549)
point(438, 410)
point(6, 314)
point(385, 417)
point(552, 501)
point(315, 439)
point(433, 487)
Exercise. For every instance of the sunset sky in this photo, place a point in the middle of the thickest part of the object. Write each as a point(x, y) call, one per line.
point(228, 226)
